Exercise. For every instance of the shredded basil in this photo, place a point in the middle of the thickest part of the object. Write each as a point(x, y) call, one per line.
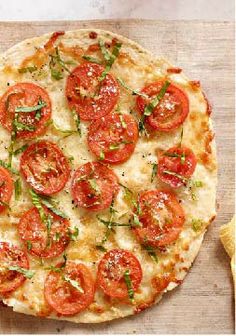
point(67, 132)
point(76, 118)
point(50, 204)
point(129, 285)
point(110, 223)
point(197, 224)
point(73, 234)
point(29, 69)
point(27, 109)
point(73, 283)
point(37, 203)
point(27, 273)
point(56, 74)
point(18, 188)
point(19, 126)
point(110, 58)
point(169, 172)
point(181, 137)
point(181, 156)
point(114, 146)
point(141, 126)
point(29, 245)
point(154, 171)
point(20, 149)
point(104, 50)
point(57, 65)
point(128, 192)
point(151, 251)
point(153, 104)
point(123, 123)
point(91, 59)
point(134, 92)
point(8, 166)
point(101, 248)
point(94, 186)
point(101, 156)
point(198, 184)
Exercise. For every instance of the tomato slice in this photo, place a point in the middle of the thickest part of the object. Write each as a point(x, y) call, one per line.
point(45, 167)
point(111, 271)
point(64, 298)
point(29, 124)
point(171, 111)
point(11, 255)
point(6, 188)
point(94, 186)
point(44, 243)
point(91, 98)
point(176, 165)
point(161, 217)
point(114, 136)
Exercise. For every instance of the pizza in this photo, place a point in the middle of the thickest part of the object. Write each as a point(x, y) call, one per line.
point(107, 176)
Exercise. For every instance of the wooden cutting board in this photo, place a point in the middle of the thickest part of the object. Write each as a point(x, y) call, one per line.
point(204, 302)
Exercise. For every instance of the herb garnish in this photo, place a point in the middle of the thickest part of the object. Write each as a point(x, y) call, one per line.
point(197, 224)
point(73, 283)
point(27, 273)
point(18, 188)
point(110, 58)
point(94, 186)
point(153, 104)
point(101, 248)
point(66, 132)
point(91, 59)
point(169, 172)
point(20, 149)
point(150, 108)
point(181, 137)
point(51, 204)
point(181, 156)
point(29, 69)
point(151, 251)
point(154, 171)
point(29, 245)
point(76, 118)
point(28, 109)
point(73, 234)
point(129, 285)
point(101, 156)
point(8, 166)
point(134, 92)
point(57, 65)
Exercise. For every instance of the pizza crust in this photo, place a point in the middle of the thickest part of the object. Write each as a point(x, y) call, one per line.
point(137, 67)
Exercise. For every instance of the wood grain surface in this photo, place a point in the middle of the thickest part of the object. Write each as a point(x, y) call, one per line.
point(204, 302)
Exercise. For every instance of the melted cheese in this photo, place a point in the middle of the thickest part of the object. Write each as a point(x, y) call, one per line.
point(137, 68)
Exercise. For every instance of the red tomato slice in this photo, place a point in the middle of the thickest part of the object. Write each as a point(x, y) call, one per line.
point(171, 111)
point(34, 232)
point(115, 136)
point(25, 95)
point(111, 271)
point(94, 186)
point(161, 217)
point(11, 255)
point(64, 298)
point(175, 163)
point(6, 188)
point(45, 167)
point(90, 98)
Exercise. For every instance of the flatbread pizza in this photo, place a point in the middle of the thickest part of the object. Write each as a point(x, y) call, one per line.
point(107, 176)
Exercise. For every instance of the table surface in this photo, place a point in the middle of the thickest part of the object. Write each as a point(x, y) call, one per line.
point(204, 302)
point(111, 9)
